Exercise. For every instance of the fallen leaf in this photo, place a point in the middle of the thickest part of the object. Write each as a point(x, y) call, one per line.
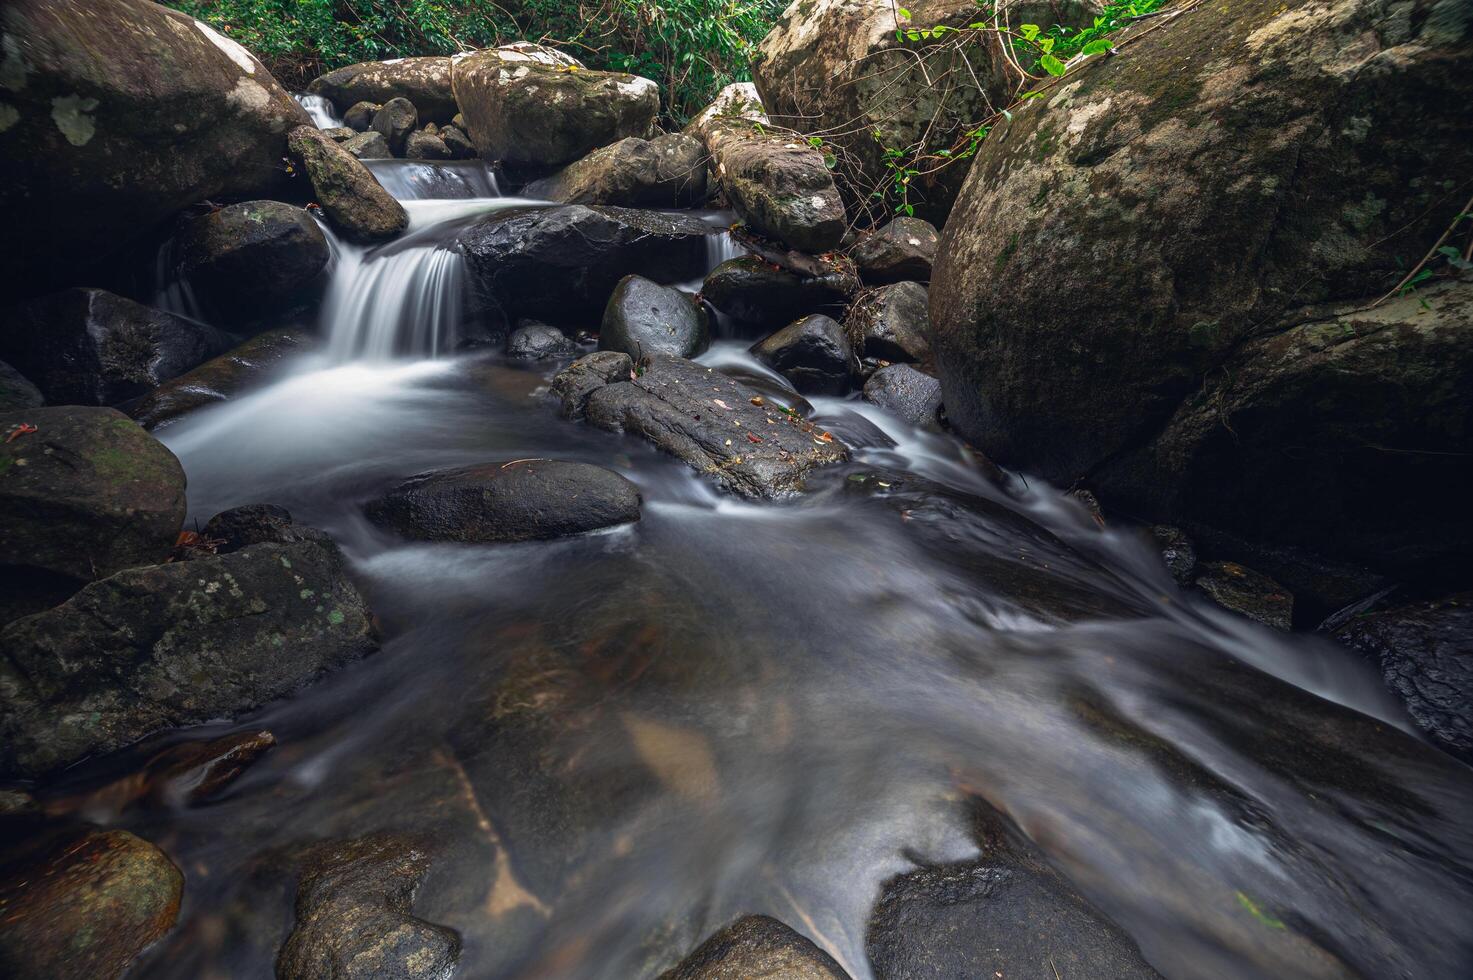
point(753, 438)
point(721, 403)
point(758, 401)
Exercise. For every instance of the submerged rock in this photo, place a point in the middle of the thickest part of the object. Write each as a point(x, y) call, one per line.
point(534, 341)
point(169, 645)
point(561, 263)
point(644, 317)
point(778, 184)
point(1425, 654)
point(701, 416)
point(1245, 591)
point(16, 391)
point(901, 251)
point(83, 907)
point(351, 197)
point(541, 114)
point(757, 946)
point(85, 495)
point(226, 376)
point(813, 353)
point(253, 258)
point(911, 394)
point(354, 917)
point(890, 323)
point(92, 347)
point(665, 172)
point(115, 115)
point(395, 121)
point(521, 500)
point(423, 81)
point(756, 292)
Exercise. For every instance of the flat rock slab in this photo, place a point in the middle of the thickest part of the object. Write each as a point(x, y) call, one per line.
point(721, 427)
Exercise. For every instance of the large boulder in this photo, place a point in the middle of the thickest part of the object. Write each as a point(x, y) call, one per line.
point(1424, 652)
point(175, 644)
point(232, 373)
point(350, 196)
point(426, 146)
point(100, 148)
point(739, 100)
point(902, 250)
point(519, 500)
point(16, 391)
point(757, 946)
point(533, 340)
point(666, 172)
point(560, 264)
point(424, 81)
point(359, 116)
point(813, 353)
point(92, 347)
point(81, 906)
point(354, 918)
point(531, 114)
point(841, 68)
point(891, 323)
point(394, 121)
point(757, 293)
point(716, 424)
point(1180, 207)
point(86, 494)
point(644, 317)
point(779, 184)
point(250, 259)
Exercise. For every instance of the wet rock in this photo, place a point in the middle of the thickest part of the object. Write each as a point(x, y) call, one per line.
point(1425, 654)
point(395, 121)
point(16, 392)
point(240, 527)
point(757, 946)
point(890, 323)
point(423, 146)
point(359, 116)
point(1177, 551)
point(169, 645)
point(85, 906)
point(103, 149)
point(521, 500)
point(1229, 403)
point(813, 353)
point(457, 142)
point(182, 775)
point(665, 172)
point(368, 146)
point(86, 494)
point(351, 197)
point(911, 394)
point(354, 916)
point(250, 259)
point(17, 803)
point(841, 69)
point(700, 416)
point(227, 376)
point(901, 251)
point(339, 134)
point(1247, 592)
point(92, 347)
point(738, 101)
point(423, 81)
point(646, 318)
point(532, 114)
point(561, 263)
point(778, 184)
point(534, 341)
point(758, 293)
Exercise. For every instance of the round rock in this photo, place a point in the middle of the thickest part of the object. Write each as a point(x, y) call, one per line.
point(644, 317)
point(911, 394)
point(813, 353)
point(253, 257)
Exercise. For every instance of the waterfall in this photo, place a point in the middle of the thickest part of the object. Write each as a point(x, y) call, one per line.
point(324, 114)
point(409, 300)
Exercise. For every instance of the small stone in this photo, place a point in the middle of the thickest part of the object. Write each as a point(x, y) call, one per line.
point(1248, 593)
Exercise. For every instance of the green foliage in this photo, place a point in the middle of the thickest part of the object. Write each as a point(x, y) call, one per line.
point(691, 47)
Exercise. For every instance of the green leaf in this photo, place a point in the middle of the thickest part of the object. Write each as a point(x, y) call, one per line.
point(1052, 65)
point(904, 14)
point(815, 141)
point(830, 161)
point(1258, 913)
point(1028, 31)
point(1098, 46)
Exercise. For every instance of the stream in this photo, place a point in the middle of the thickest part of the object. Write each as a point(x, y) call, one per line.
point(616, 743)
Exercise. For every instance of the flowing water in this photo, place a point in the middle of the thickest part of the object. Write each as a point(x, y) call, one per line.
point(616, 743)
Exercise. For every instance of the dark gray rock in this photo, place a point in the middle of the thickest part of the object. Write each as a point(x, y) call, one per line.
point(424, 146)
point(759, 293)
point(16, 391)
point(890, 323)
point(250, 259)
point(701, 416)
point(757, 946)
point(643, 317)
point(354, 916)
point(240, 527)
point(520, 500)
point(176, 644)
point(91, 347)
point(911, 394)
point(665, 172)
point(368, 146)
point(395, 122)
point(1247, 592)
point(779, 185)
point(561, 263)
point(1177, 551)
point(360, 115)
point(228, 375)
point(457, 142)
point(339, 134)
point(1425, 654)
point(534, 341)
point(350, 196)
point(901, 251)
point(813, 353)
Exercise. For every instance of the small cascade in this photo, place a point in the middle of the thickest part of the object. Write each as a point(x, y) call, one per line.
point(324, 114)
point(172, 291)
point(409, 301)
point(421, 180)
point(720, 247)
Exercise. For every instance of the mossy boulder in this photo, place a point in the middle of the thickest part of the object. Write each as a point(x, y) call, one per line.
point(86, 494)
point(174, 644)
point(423, 81)
point(253, 258)
point(779, 184)
point(395, 121)
point(1124, 239)
point(114, 114)
point(666, 172)
point(355, 203)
